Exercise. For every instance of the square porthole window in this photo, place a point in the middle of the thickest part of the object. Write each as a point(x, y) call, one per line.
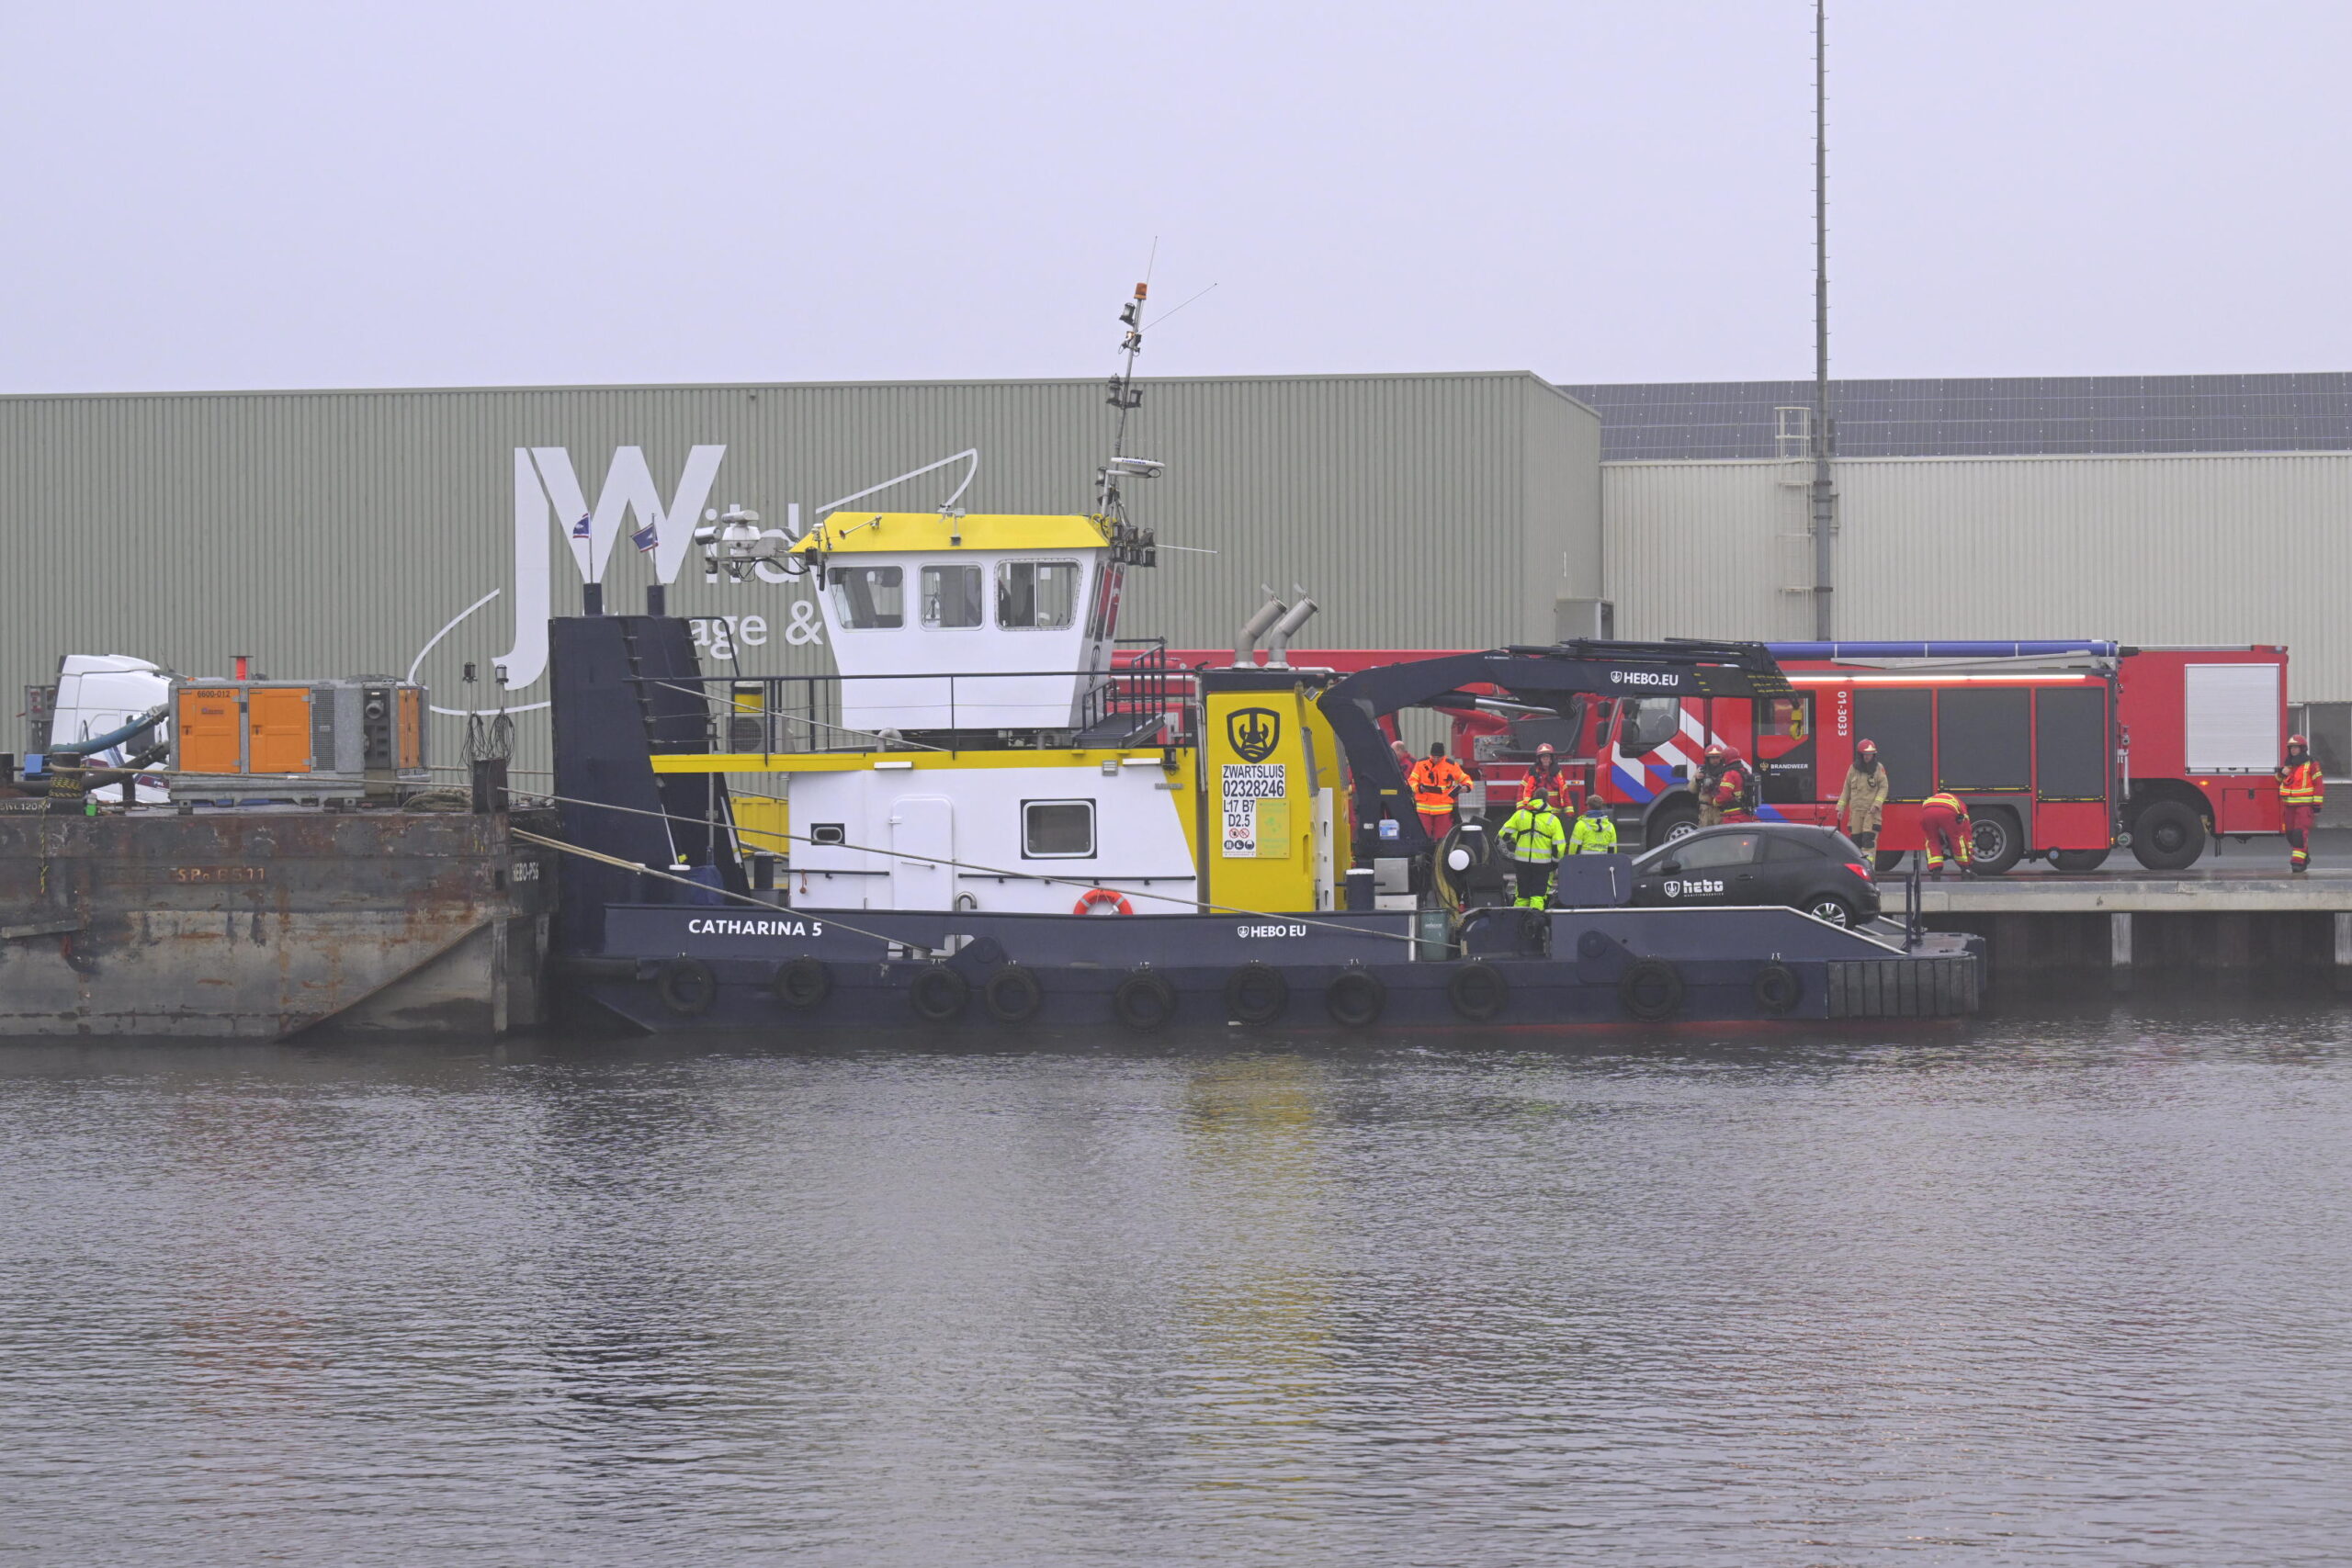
point(1058, 829)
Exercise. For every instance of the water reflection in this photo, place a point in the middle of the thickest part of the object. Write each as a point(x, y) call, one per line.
point(2070, 1282)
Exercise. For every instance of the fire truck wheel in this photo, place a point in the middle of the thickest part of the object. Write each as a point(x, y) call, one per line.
point(2168, 835)
point(1995, 841)
point(2078, 860)
point(1887, 860)
point(1677, 821)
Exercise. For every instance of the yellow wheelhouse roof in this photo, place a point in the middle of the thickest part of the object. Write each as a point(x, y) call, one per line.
point(897, 532)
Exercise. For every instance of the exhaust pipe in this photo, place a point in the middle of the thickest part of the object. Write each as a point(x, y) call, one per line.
point(1278, 640)
point(1245, 646)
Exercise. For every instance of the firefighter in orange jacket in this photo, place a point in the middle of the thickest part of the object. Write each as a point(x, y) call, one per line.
point(1435, 780)
point(2301, 792)
point(1943, 824)
point(1545, 782)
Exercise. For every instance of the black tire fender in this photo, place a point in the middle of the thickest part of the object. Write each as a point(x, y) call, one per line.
point(687, 986)
point(1012, 993)
point(939, 993)
point(802, 982)
point(1356, 998)
point(1777, 989)
point(1143, 1001)
point(1478, 991)
point(1256, 993)
point(1651, 989)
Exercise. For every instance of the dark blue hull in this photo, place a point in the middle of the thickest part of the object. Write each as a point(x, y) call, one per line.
point(665, 968)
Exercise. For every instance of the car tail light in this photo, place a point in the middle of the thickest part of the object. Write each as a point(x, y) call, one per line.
point(1859, 869)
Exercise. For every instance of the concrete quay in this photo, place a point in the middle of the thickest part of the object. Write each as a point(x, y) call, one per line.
point(2224, 916)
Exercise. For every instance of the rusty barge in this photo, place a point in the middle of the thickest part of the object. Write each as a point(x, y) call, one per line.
point(268, 924)
point(248, 857)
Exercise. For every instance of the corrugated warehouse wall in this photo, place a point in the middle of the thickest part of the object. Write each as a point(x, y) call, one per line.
point(337, 533)
point(2189, 548)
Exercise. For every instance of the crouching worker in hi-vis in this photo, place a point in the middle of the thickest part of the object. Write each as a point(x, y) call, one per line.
point(1595, 834)
point(1943, 822)
point(2301, 792)
point(1534, 840)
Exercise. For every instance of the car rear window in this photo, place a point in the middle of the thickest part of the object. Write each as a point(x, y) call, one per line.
point(1789, 847)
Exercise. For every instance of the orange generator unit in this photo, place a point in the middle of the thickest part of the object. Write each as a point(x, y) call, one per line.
point(299, 739)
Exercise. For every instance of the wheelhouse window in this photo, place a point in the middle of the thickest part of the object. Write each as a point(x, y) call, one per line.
point(951, 596)
point(1058, 829)
point(867, 598)
point(1038, 595)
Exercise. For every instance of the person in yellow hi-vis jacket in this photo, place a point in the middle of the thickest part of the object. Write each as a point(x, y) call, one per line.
point(1534, 840)
point(1595, 833)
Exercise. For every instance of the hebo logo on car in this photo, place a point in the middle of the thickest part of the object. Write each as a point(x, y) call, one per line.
point(1693, 886)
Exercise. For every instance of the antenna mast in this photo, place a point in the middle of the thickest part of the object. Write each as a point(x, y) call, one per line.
point(1825, 498)
point(1129, 544)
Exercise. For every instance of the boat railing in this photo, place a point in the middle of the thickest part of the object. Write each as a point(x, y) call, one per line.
point(772, 714)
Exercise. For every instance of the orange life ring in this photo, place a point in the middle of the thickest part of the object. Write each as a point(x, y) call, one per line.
point(1095, 898)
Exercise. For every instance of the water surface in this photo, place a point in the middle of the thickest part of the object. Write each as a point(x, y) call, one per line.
point(2065, 1286)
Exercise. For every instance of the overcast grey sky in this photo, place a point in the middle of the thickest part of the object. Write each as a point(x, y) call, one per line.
point(227, 195)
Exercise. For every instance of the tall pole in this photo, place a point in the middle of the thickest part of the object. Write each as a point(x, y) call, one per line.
point(1825, 498)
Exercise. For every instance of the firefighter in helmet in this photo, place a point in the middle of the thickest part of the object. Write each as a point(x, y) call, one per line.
point(1943, 823)
point(2301, 792)
point(1726, 789)
point(1546, 779)
point(1861, 805)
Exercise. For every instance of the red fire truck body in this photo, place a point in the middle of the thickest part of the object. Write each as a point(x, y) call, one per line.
point(2061, 750)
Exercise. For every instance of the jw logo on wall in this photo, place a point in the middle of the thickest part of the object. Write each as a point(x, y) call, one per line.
point(553, 512)
point(549, 501)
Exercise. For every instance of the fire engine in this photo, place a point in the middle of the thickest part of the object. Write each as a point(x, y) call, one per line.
point(2063, 751)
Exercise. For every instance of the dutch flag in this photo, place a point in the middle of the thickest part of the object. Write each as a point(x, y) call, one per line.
point(643, 539)
point(580, 529)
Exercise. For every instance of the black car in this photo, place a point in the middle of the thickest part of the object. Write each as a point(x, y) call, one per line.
point(1818, 869)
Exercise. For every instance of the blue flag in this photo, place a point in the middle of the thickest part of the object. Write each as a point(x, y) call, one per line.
point(643, 539)
point(580, 529)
